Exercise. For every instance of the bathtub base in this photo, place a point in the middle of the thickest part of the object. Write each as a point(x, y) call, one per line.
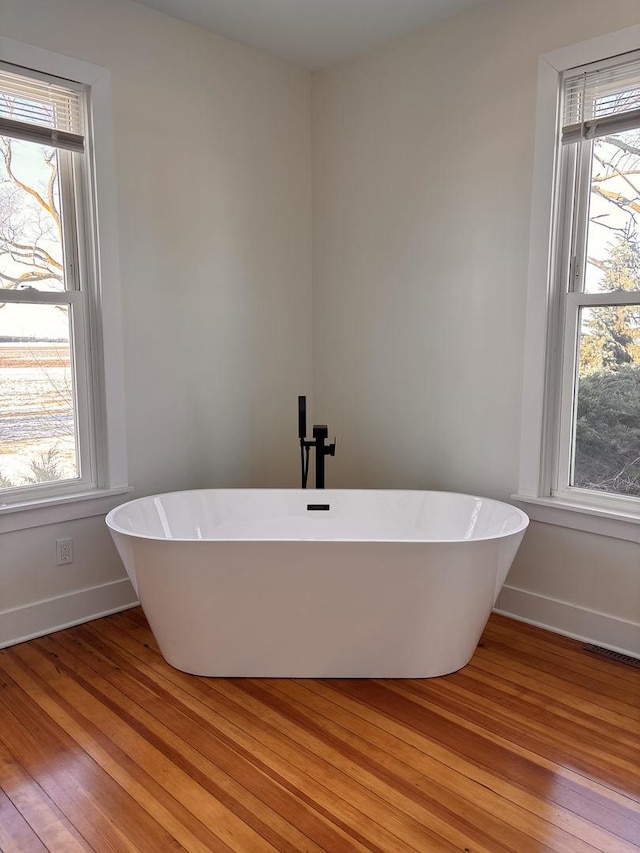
point(319, 609)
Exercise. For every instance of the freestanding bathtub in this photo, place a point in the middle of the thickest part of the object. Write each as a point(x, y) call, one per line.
point(304, 583)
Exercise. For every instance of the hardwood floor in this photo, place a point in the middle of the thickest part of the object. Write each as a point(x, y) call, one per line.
point(533, 747)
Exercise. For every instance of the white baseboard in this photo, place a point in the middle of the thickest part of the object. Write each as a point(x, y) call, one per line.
point(600, 629)
point(64, 611)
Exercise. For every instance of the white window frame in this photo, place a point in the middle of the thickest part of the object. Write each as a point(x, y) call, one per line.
point(542, 375)
point(105, 485)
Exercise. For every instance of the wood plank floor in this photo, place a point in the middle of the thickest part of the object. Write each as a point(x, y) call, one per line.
point(533, 747)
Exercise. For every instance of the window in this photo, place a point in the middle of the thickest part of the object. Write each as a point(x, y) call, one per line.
point(61, 390)
point(45, 377)
point(580, 452)
point(597, 281)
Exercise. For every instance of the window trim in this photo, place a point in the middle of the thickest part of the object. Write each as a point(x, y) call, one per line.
point(541, 346)
point(102, 258)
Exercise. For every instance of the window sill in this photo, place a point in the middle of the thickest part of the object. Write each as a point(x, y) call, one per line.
point(36, 513)
point(592, 519)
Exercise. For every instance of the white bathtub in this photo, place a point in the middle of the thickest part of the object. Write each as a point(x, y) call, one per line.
point(382, 584)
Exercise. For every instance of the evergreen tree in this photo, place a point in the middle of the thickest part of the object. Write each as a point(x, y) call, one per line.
point(611, 334)
point(607, 453)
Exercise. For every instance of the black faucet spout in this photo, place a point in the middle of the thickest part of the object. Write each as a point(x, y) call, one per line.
point(320, 435)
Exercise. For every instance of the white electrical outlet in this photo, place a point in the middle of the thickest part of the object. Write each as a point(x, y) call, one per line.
point(64, 551)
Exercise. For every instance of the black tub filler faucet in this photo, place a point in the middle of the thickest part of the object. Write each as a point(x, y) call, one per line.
point(320, 436)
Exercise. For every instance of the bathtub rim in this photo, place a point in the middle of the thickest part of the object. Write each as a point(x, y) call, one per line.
point(518, 530)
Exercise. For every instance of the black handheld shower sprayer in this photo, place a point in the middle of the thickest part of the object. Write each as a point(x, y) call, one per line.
point(320, 435)
point(302, 418)
point(304, 447)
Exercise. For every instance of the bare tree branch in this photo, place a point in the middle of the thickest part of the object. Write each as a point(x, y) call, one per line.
point(622, 145)
point(21, 250)
point(6, 152)
point(618, 199)
point(625, 176)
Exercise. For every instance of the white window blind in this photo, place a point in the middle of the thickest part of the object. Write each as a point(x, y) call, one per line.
point(41, 110)
point(601, 100)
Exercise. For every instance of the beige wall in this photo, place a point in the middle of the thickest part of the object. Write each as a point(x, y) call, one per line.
point(212, 143)
point(423, 159)
point(590, 572)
